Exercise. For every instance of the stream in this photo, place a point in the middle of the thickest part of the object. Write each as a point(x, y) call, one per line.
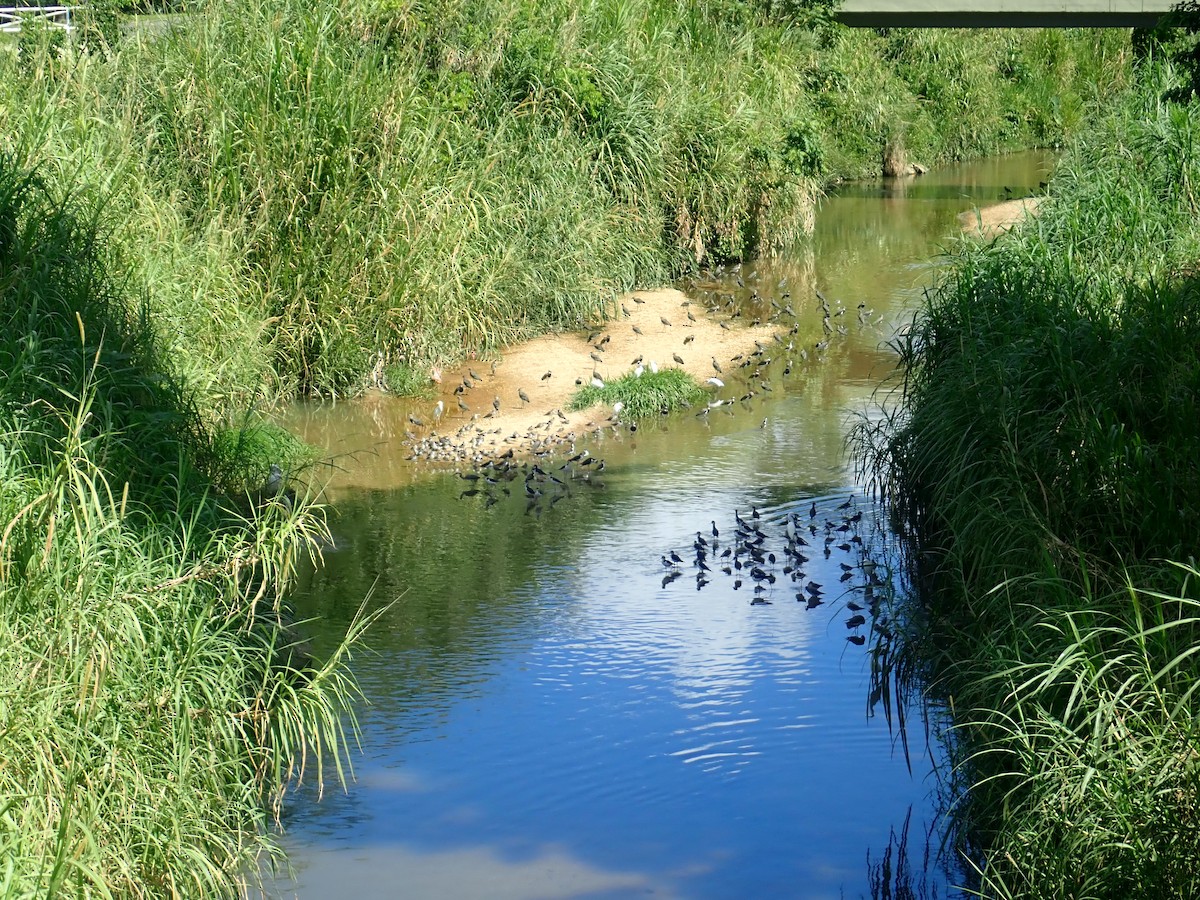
point(555, 708)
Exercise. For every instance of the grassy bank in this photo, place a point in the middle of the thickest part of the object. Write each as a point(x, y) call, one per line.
point(1042, 455)
point(154, 707)
point(320, 197)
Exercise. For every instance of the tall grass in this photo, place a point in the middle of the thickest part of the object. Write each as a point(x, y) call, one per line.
point(313, 195)
point(1041, 454)
point(155, 706)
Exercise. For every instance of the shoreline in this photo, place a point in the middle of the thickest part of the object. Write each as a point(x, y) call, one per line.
point(493, 420)
point(551, 368)
point(990, 221)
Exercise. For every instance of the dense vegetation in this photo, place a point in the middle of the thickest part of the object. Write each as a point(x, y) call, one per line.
point(154, 706)
point(263, 199)
point(1043, 455)
point(320, 196)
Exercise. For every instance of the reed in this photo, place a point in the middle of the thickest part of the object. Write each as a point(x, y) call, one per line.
point(307, 191)
point(156, 706)
point(1039, 451)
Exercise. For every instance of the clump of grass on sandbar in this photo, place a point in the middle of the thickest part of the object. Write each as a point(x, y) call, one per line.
point(648, 394)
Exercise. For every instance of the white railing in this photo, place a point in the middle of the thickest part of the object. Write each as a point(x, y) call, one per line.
point(11, 17)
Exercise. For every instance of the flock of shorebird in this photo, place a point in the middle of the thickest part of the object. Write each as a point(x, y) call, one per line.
point(749, 374)
point(773, 566)
point(540, 487)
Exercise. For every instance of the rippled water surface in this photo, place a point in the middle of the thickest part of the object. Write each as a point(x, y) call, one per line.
point(550, 714)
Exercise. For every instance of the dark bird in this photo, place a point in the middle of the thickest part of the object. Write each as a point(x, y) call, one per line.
point(857, 639)
point(856, 621)
point(496, 404)
point(524, 396)
point(677, 358)
point(637, 330)
point(544, 377)
point(687, 340)
point(665, 321)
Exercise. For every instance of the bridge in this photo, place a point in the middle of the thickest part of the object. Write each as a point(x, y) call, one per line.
point(1002, 13)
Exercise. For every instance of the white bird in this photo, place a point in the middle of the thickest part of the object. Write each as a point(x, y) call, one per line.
point(597, 382)
point(437, 410)
point(637, 373)
point(618, 406)
point(716, 381)
point(654, 367)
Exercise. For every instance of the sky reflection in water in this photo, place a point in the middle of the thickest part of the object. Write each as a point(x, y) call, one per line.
point(547, 719)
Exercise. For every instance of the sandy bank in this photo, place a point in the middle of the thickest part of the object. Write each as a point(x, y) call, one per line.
point(483, 414)
point(992, 220)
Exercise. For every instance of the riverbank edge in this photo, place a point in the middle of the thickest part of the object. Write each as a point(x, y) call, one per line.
point(158, 702)
point(1041, 452)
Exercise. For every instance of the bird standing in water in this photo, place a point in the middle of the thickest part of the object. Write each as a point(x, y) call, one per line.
point(273, 490)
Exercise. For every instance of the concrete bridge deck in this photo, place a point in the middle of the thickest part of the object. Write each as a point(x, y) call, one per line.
point(1002, 13)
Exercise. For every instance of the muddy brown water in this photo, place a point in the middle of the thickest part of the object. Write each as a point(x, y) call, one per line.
point(551, 711)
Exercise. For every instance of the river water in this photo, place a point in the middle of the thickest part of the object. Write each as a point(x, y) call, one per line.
point(552, 711)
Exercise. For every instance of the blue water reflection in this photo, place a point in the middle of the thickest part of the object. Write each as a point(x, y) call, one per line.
point(550, 715)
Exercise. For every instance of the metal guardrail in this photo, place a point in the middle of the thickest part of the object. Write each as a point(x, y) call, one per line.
point(11, 17)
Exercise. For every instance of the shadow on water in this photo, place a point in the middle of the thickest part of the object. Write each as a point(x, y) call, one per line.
point(558, 707)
